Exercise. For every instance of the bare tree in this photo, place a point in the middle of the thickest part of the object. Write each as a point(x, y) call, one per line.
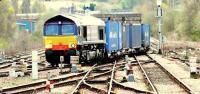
point(15, 5)
point(25, 7)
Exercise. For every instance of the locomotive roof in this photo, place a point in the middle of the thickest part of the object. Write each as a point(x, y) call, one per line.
point(84, 20)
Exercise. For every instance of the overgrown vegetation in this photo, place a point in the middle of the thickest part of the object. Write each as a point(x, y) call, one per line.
point(191, 17)
point(25, 7)
point(7, 26)
point(38, 7)
point(11, 40)
point(180, 17)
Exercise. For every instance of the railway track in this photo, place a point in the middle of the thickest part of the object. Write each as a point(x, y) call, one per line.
point(161, 81)
point(41, 85)
point(6, 65)
point(98, 79)
point(29, 71)
point(101, 79)
point(105, 84)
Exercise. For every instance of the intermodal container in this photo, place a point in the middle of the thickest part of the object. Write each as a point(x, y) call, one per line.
point(125, 36)
point(135, 36)
point(113, 36)
point(145, 35)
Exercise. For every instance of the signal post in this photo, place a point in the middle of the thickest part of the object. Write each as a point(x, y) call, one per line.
point(159, 17)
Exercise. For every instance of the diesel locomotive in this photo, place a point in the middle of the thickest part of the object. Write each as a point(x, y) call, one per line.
point(91, 38)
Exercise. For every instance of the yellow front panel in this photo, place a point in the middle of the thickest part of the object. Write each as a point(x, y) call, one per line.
point(57, 40)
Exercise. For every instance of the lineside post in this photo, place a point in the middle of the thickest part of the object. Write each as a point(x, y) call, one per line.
point(193, 67)
point(12, 71)
point(61, 61)
point(2, 57)
point(126, 58)
point(74, 60)
point(129, 72)
point(50, 84)
point(35, 59)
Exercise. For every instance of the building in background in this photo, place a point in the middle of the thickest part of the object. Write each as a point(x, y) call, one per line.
point(27, 22)
point(26, 25)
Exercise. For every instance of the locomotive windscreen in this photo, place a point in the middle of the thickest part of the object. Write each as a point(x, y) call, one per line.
point(59, 29)
point(68, 29)
point(51, 29)
point(59, 25)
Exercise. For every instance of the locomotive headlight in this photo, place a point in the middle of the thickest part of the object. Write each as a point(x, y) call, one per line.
point(48, 46)
point(73, 45)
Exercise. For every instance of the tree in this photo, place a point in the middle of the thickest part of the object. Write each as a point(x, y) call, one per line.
point(25, 7)
point(129, 4)
point(7, 21)
point(37, 7)
point(6, 17)
point(15, 5)
point(102, 0)
point(190, 15)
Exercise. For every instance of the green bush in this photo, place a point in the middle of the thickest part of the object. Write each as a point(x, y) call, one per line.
point(3, 43)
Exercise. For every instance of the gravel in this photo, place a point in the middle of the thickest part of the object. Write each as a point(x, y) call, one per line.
point(180, 71)
point(122, 91)
point(138, 76)
point(161, 80)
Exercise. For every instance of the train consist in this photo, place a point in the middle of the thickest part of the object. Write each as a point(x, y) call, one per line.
point(91, 38)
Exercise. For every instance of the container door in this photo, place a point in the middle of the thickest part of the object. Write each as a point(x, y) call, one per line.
point(130, 32)
point(119, 36)
point(111, 36)
point(136, 36)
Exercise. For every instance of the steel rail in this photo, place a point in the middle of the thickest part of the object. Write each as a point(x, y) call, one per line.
point(59, 81)
point(132, 89)
point(101, 91)
point(146, 76)
point(5, 66)
point(41, 84)
point(111, 80)
point(82, 80)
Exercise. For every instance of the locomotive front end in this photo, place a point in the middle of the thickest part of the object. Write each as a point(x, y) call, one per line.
point(60, 39)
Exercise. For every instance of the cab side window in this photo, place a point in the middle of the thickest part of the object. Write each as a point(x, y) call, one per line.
point(85, 32)
point(79, 31)
point(101, 34)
